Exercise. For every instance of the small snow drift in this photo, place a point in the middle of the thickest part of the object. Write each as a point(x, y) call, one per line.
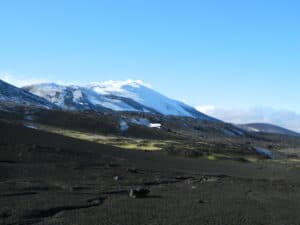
point(264, 152)
point(155, 125)
point(123, 125)
point(30, 126)
point(145, 122)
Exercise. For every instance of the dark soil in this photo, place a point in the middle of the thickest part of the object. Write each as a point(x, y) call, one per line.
point(50, 179)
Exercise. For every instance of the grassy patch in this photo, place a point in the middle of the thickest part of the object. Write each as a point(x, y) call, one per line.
point(211, 157)
point(134, 146)
point(188, 149)
point(235, 157)
point(125, 143)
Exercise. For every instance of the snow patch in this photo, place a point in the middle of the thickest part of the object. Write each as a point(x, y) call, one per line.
point(264, 152)
point(140, 121)
point(253, 129)
point(52, 92)
point(155, 125)
point(145, 122)
point(77, 96)
point(123, 126)
point(137, 91)
point(30, 126)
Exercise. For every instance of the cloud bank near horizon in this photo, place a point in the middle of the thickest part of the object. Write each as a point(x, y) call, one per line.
point(280, 117)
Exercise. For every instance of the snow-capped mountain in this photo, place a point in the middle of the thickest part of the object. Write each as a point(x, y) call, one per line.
point(146, 96)
point(128, 95)
point(82, 98)
point(12, 94)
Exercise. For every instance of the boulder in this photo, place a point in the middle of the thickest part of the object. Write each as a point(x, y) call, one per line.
point(139, 193)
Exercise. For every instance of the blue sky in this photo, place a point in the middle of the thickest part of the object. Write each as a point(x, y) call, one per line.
point(230, 54)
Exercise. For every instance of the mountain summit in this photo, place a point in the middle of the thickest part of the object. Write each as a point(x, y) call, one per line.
point(146, 96)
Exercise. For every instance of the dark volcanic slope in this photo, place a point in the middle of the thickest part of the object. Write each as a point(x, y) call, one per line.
point(12, 94)
point(50, 179)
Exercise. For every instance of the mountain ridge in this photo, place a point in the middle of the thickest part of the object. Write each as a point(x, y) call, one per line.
point(267, 128)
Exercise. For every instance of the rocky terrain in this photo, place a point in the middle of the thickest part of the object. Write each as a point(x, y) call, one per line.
point(51, 179)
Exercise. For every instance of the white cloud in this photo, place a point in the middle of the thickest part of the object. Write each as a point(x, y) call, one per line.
point(285, 118)
point(20, 81)
point(207, 109)
point(118, 84)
